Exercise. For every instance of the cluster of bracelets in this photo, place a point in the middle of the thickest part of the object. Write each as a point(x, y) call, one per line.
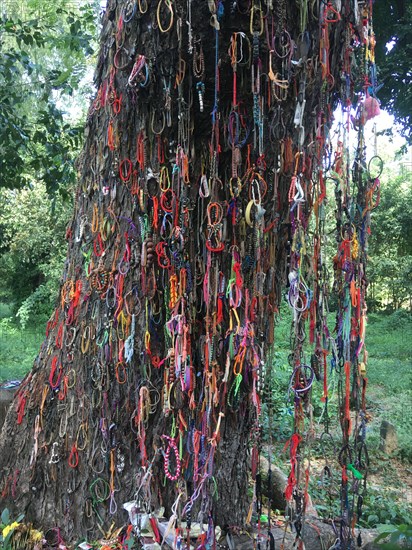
point(204, 186)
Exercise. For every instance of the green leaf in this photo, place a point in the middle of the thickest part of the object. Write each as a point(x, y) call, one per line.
point(28, 39)
point(373, 519)
point(63, 77)
point(5, 517)
point(382, 536)
point(6, 540)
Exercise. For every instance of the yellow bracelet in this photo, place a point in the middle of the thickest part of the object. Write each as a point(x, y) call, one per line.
point(252, 20)
point(143, 6)
point(164, 179)
point(170, 8)
point(248, 213)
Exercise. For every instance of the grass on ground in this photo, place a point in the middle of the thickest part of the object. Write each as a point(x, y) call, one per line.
point(18, 348)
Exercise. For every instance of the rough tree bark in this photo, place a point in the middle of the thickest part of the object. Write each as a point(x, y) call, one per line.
point(177, 254)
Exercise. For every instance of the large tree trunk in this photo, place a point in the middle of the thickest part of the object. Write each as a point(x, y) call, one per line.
point(169, 290)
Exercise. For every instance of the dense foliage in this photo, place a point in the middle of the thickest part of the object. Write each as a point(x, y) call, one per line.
point(390, 268)
point(32, 249)
point(392, 21)
point(42, 63)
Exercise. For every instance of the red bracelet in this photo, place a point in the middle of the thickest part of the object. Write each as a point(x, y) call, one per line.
point(74, 457)
point(219, 248)
point(125, 170)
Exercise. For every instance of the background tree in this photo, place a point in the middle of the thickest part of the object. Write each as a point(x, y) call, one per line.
point(205, 151)
point(43, 60)
point(44, 83)
point(33, 249)
point(391, 242)
point(393, 20)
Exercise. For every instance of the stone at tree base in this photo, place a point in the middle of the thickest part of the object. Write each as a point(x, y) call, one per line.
point(310, 508)
point(317, 534)
point(367, 538)
point(277, 485)
point(389, 438)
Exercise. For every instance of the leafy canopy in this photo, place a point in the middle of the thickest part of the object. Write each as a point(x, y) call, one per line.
point(43, 59)
point(393, 24)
